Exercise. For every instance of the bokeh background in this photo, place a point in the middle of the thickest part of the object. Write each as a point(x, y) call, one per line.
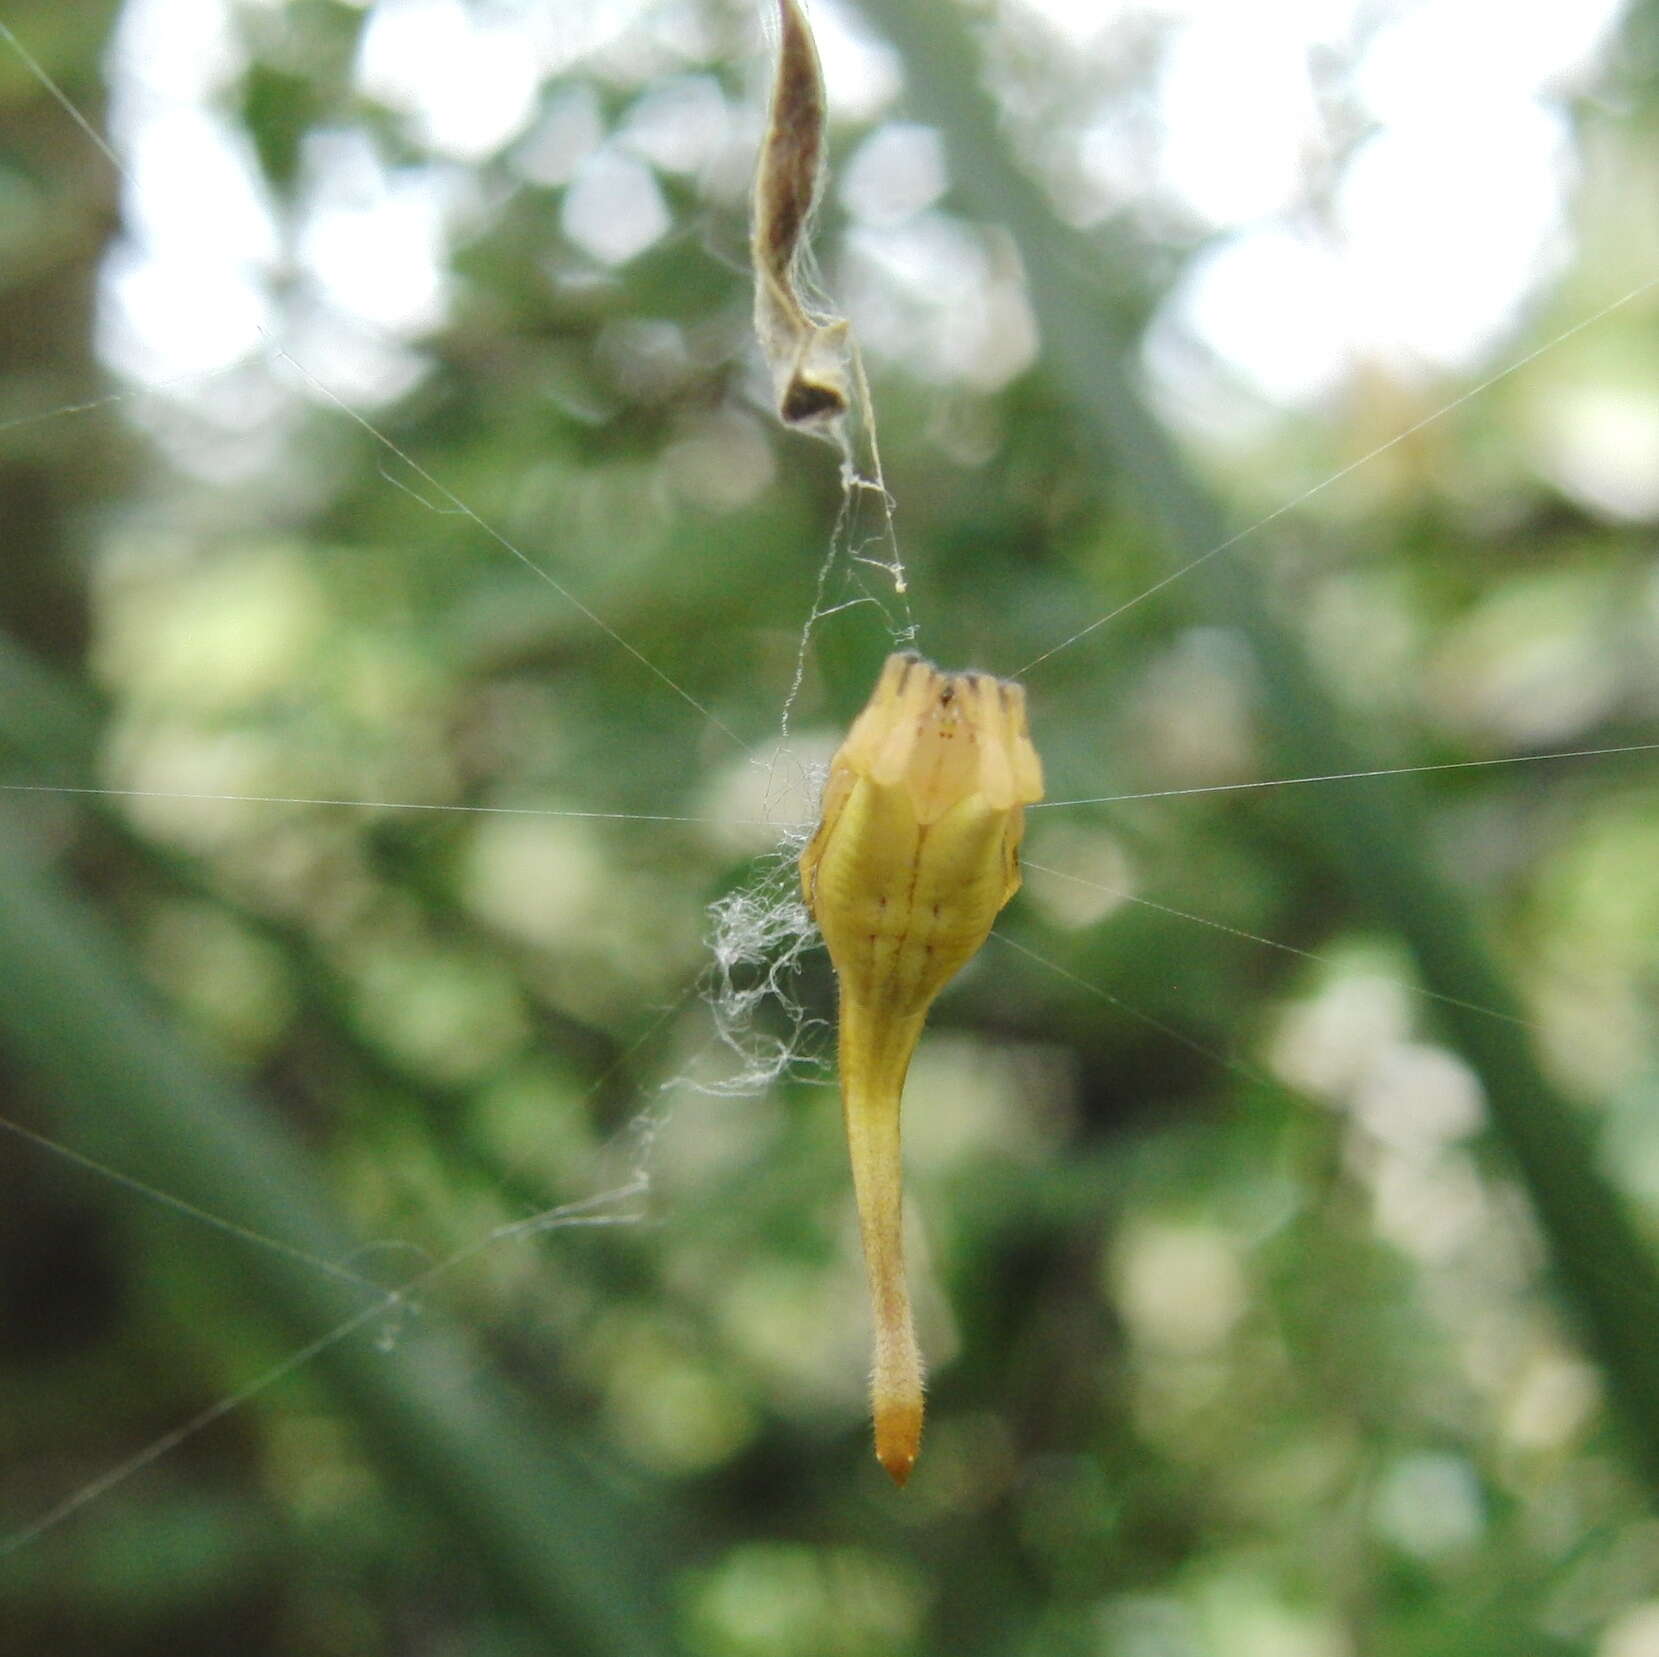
point(1285, 1174)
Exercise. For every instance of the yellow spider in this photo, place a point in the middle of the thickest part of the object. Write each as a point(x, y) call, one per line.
point(916, 853)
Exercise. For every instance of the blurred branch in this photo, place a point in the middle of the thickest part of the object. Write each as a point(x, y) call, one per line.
point(1374, 837)
point(560, 1543)
point(53, 723)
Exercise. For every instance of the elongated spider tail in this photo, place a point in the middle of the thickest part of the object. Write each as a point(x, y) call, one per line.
point(875, 1053)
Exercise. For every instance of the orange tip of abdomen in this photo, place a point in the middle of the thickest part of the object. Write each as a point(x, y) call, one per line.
point(898, 1436)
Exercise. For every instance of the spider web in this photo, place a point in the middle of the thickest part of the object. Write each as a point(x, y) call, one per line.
point(759, 932)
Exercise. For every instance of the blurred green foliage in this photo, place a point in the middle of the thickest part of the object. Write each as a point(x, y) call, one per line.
point(1250, 1332)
